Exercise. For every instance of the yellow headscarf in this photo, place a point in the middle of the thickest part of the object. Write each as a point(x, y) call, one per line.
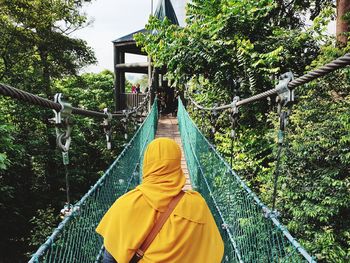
point(190, 233)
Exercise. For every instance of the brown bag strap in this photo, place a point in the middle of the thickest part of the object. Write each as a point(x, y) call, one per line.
point(156, 228)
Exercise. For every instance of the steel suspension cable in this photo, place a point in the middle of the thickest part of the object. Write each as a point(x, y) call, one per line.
point(25, 96)
point(338, 63)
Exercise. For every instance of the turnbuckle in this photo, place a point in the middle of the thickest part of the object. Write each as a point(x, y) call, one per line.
point(107, 127)
point(63, 126)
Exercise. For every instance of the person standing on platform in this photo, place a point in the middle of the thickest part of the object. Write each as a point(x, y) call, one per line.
point(138, 90)
point(133, 89)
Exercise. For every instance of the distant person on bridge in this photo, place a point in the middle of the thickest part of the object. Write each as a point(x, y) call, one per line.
point(138, 90)
point(189, 234)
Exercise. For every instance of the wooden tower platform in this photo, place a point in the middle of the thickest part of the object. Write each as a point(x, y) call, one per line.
point(168, 127)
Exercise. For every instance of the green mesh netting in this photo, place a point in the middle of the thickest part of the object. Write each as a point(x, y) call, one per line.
point(250, 231)
point(75, 239)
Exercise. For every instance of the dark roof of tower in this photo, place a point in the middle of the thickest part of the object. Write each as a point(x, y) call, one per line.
point(164, 9)
point(129, 37)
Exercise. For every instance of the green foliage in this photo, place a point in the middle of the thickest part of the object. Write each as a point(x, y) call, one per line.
point(315, 193)
point(36, 45)
point(231, 48)
point(32, 188)
point(128, 86)
point(5, 141)
point(92, 91)
point(35, 48)
point(38, 54)
point(43, 223)
point(228, 40)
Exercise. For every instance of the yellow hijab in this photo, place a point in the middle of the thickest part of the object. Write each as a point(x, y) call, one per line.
point(190, 234)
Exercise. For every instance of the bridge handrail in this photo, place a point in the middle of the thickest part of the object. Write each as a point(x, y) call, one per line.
point(265, 211)
point(151, 121)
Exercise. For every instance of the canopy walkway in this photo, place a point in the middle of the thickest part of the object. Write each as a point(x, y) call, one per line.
point(250, 231)
point(168, 127)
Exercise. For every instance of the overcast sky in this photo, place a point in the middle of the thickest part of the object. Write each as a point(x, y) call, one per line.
point(115, 18)
point(112, 19)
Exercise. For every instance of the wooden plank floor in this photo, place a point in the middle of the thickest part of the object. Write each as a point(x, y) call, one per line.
point(168, 127)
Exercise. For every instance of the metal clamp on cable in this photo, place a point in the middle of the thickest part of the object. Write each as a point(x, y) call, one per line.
point(270, 214)
point(215, 112)
point(285, 95)
point(107, 127)
point(63, 127)
point(285, 99)
point(124, 123)
point(234, 116)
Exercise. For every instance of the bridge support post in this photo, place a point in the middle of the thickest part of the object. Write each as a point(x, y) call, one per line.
point(119, 78)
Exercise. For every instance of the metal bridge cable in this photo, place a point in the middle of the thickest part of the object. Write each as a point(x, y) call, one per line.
point(28, 97)
point(338, 63)
point(12, 92)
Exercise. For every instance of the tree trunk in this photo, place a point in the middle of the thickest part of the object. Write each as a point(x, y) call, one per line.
point(343, 6)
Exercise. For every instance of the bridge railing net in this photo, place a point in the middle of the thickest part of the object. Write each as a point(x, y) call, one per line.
point(249, 232)
point(75, 239)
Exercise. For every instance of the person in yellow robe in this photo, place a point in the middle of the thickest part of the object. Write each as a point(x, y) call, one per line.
point(189, 235)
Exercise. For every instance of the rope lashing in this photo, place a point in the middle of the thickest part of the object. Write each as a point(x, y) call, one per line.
point(67, 209)
point(124, 122)
point(107, 128)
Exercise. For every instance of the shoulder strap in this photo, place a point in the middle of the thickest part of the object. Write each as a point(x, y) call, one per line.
point(156, 228)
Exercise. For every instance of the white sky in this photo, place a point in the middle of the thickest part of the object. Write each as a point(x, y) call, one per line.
point(113, 19)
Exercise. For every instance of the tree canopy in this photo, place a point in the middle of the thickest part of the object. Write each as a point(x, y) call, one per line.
point(38, 54)
point(227, 48)
point(239, 48)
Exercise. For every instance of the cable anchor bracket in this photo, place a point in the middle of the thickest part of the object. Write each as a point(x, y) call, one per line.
point(124, 122)
point(63, 126)
point(285, 98)
point(107, 127)
point(234, 116)
point(285, 95)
